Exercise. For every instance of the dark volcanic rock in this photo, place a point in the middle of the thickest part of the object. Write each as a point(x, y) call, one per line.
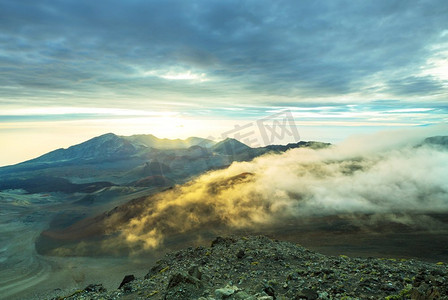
point(182, 286)
point(307, 294)
point(270, 291)
point(279, 270)
point(182, 278)
point(240, 254)
point(95, 288)
point(195, 272)
point(126, 279)
point(225, 241)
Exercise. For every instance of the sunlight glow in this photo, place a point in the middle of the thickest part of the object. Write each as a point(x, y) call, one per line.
point(177, 75)
point(30, 139)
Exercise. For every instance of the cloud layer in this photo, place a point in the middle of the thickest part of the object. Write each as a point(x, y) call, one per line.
point(344, 66)
point(388, 176)
point(256, 51)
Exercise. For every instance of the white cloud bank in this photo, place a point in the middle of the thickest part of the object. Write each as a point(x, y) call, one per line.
point(385, 173)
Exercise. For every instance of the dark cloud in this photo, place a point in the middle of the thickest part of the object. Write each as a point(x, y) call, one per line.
point(412, 85)
point(283, 48)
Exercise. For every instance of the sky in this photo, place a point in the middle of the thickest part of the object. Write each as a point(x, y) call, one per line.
point(71, 70)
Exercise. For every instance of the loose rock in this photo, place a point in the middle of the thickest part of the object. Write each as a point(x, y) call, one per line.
point(257, 268)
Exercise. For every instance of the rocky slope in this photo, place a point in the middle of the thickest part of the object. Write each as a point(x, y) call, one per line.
point(259, 268)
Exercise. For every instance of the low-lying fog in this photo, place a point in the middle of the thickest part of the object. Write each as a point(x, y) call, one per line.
point(393, 177)
point(382, 194)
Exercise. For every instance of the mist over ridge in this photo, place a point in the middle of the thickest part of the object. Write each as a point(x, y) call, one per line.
point(386, 175)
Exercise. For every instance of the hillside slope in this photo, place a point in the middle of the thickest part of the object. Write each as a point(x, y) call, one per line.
point(258, 268)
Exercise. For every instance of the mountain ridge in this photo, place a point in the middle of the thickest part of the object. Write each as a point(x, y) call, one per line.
point(230, 146)
point(123, 160)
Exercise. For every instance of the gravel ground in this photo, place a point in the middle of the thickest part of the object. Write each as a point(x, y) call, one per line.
point(258, 268)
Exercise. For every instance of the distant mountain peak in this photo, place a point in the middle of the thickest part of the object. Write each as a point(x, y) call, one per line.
point(232, 141)
point(439, 140)
point(151, 141)
point(109, 135)
point(103, 147)
point(125, 159)
point(230, 146)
